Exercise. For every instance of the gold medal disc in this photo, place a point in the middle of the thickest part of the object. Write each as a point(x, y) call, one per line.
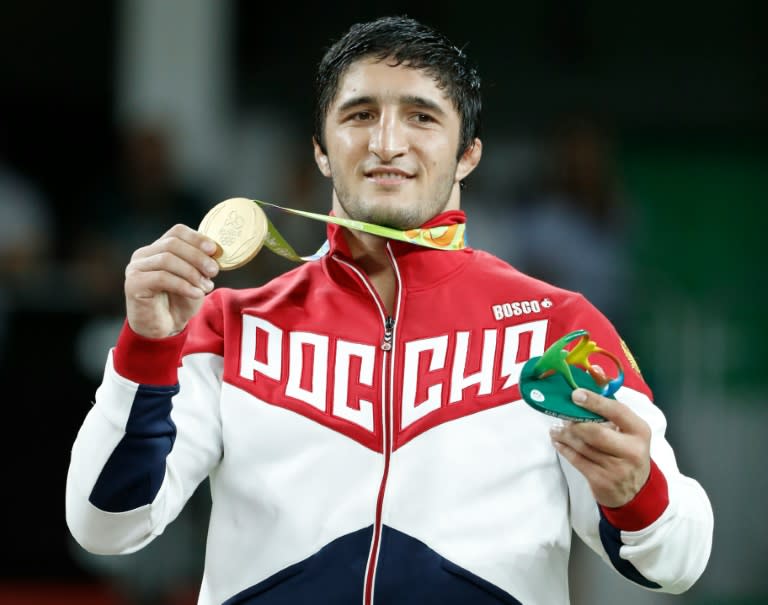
point(239, 227)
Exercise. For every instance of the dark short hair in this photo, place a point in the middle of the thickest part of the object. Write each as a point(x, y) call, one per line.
point(410, 43)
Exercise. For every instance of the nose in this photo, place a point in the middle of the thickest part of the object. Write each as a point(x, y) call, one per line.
point(388, 137)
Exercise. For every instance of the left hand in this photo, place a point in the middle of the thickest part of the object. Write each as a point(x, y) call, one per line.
point(614, 456)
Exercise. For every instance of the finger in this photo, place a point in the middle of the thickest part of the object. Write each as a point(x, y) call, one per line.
point(175, 265)
point(610, 409)
point(194, 238)
point(185, 234)
point(603, 437)
point(180, 246)
point(606, 488)
point(567, 438)
point(585, 465)
point(147, 284)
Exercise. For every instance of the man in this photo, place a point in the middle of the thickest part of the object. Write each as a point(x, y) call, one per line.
point(360, 416)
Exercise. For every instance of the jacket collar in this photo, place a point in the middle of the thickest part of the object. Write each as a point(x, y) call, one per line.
point(419, 267)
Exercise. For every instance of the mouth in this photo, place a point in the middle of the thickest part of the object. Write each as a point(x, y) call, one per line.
point(387, 176)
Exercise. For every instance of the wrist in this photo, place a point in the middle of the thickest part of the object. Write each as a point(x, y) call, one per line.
point(148, 360)
point(648, 504)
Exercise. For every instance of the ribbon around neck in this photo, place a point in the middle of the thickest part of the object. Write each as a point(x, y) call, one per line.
point(445, 237)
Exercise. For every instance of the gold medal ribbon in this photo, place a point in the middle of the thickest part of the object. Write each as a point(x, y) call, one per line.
point(241, 227)
point(447, 237)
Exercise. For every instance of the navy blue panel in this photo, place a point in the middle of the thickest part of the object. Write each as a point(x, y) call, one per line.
point(409, 573)
point(611, 539)
point(134, 472)
point(335, 575)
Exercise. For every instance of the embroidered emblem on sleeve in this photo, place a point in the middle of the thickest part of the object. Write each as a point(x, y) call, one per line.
point(630, 357)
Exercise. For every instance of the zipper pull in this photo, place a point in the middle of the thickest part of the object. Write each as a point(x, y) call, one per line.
point(389, 327)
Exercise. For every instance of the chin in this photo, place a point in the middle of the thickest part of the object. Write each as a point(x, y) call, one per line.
point(396, 218)
point(396, 221)
point(392, 212)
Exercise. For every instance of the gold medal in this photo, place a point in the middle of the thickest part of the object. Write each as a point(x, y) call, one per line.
point(239, 227)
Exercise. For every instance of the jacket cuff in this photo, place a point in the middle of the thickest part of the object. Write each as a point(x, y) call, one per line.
point(647, 505)
point(150, 361)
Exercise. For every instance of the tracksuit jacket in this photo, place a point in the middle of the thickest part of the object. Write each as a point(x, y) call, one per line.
point(357, 456)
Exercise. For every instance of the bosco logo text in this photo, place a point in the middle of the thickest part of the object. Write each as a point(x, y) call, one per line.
point(518, 308)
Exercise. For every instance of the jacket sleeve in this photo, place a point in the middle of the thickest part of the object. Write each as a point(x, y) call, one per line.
point(661, 539)
point(151, 437)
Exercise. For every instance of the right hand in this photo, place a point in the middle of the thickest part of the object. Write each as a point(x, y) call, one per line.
point(166, 281)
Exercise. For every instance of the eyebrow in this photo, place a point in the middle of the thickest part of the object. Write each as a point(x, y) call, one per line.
point(412, 100)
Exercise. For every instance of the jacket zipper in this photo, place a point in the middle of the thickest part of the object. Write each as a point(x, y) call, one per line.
point(387, 415)
point(389, 328)
point(373, 555)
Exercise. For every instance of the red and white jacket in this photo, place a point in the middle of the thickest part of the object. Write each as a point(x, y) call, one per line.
point(357, 457)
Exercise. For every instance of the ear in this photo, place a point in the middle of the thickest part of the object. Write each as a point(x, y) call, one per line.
point(469, 160)
point(321, 159)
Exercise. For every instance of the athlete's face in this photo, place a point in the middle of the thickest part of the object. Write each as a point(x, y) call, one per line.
point(391, 139)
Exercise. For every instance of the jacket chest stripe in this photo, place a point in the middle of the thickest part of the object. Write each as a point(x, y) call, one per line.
point(338, 379)
point(308, 373)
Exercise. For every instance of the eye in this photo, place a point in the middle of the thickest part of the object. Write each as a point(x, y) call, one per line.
point(362, 116)
point(424, 118)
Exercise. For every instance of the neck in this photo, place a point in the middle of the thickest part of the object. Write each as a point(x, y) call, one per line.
point(366, 249)
point(370, 254)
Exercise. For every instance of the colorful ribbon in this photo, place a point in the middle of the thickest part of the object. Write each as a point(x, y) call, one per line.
point(446, 237)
